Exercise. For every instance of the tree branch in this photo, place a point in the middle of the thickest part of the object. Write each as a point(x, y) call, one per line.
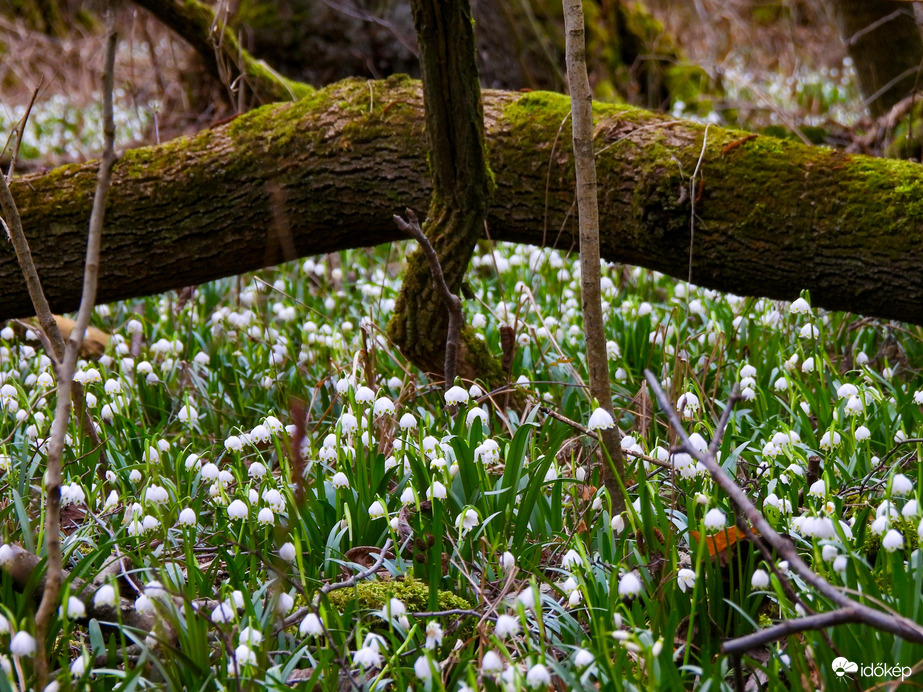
point(53, 473)
point(456, 318)
point(613, 463)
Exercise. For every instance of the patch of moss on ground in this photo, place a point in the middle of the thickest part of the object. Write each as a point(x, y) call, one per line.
point(372, 595)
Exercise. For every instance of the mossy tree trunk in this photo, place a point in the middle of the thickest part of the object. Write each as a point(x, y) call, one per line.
point(883, 39)
point(461, 184)
point(328, 173)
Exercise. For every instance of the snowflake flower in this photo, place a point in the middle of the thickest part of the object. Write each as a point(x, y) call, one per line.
point(715, 519)
point(685, 578)
point(600, 420)
point(760, 579)
point(538, 676)
point(456, 395)
point(629, 585)
point(892, 541)
point(237, 510)
point(506, 626)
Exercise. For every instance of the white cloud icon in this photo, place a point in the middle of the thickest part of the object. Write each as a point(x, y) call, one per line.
point(842, 665)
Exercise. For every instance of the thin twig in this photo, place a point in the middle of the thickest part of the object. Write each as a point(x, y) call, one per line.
point(21, 129)
point(452, 301)
point(888, 622)
point(359, 576)
point(692, 195)
point(589, 433)
point(53, 474)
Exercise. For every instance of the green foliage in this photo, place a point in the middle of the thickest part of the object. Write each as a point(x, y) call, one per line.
point(496, 515)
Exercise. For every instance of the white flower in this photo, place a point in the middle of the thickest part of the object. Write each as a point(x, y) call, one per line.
point(156, 494)
point(367, 657)
point(491, 663)
point(75, 608)
point(892, 541)
point(348, 423)
point(830, 439)
point(880, 524)
point(808, 365)
point(846, 390)
point(433, 634)
point(113, 387)
point(285, 603)
point(22, 644)
point(476, 413)
point(818, 489)
point(508, 561)
point(715, 519)
point(829, 553)
point(383, 407)
point(260, 434)
point(187, 413)
point(456, 395)
point(377, 510)
point(105, 596)
point(583, 658)
point(311, 626)
point(600, 420)
point(423, 667)
point(187, 517)
point(688, 403)
point(760, 579)
point(570, 559)
point(809, 331)
point(527, 598)
point(408, 422)
point(840, 563)
point(144, 605)
point(436, 491)
point(538, 676)
point(800, 307)
point(237, 510)
point(233, 444)
point(266, 517)
point(340, 480)
point(467, 520)
point(862, 433)
point(287, 552)
point(506, 626)
point(685, 578)
point(853, 406)
point(629, 585)
point(918, 397)
point(901, 485)
point(617, 524)
point(364, 395)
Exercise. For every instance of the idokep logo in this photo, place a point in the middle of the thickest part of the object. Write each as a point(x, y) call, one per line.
point(842, 665)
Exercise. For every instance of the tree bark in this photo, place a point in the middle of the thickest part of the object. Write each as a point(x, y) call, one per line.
point(328, 173)
point(594, 329)
point(219, 49)
point(883, 39)
point(461, 190)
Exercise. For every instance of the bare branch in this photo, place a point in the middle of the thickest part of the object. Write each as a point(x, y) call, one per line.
point(613, 466)
point(359, 576)
point(456, 318)
point(53, 474)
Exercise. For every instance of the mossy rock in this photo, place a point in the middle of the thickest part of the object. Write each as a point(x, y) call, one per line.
point(373, 595)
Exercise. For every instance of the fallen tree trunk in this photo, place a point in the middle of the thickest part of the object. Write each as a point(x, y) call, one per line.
point(328, 173)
